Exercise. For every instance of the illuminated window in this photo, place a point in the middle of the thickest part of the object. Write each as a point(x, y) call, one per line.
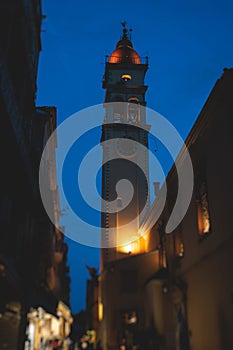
point(126, 77)
point(129, 317)
point(100, 311)
point(179, 244)
point(203, 214)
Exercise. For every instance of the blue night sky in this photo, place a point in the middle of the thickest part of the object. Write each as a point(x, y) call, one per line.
point(188, 44)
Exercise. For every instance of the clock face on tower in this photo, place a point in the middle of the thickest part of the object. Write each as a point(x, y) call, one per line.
point(126, 146)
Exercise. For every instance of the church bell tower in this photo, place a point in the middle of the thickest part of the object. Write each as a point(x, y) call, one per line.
point(125, 151)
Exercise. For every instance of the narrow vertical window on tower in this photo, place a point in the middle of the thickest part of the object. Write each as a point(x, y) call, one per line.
point(133, 110)
point(118, 109)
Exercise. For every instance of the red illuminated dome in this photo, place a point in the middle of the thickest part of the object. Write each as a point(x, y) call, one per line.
point(124, 52)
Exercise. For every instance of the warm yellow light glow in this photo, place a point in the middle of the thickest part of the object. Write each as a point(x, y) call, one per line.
point(91, 333)
point(203, 214)
point(181, 252)
point(128, 248)
point(126, 77)
point(100, 311)
point(136, 246)
point(63, 310)
point(55, 327)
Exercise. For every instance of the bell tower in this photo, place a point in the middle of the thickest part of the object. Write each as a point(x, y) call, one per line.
point(125, 154)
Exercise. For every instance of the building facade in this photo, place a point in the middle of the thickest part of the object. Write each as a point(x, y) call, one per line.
point(33, 270)
point(176, 292)
point(198, 253)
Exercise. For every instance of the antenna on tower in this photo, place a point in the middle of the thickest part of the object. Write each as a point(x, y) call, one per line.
point(130, 33)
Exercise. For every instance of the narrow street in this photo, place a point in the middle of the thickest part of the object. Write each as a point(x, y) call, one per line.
point(115, 218)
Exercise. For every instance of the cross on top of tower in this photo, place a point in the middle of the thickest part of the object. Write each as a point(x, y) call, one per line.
point(125, 32)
